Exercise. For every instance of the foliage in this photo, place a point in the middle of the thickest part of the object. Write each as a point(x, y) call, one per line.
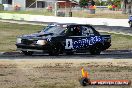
point(103, 3)
point(109, 2)
point(1, 7)
point(83, 3)
point(0, 4)
point(117, 3)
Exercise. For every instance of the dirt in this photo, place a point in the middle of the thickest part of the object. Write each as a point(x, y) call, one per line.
point(61, 73)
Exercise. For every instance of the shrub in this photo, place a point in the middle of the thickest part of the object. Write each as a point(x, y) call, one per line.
point(1, 7)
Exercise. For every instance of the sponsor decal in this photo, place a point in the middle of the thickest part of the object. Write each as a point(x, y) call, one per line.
point(85, 80)
point(83, 42)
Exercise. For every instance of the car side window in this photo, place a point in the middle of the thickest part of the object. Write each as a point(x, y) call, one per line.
point(87, 31)
point(74, 31)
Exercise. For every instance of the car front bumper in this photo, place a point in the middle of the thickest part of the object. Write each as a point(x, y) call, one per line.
point(34, 48)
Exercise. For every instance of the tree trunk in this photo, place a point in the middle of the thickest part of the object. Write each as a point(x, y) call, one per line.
point(124, 6)
point(129, 7)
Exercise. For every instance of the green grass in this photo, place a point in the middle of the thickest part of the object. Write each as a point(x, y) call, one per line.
point(10, 31)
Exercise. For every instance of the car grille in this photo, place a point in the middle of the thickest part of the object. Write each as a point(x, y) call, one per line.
point(27, 42)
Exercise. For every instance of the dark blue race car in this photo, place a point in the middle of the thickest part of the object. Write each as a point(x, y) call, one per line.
point(57, 39)
point(130, 21)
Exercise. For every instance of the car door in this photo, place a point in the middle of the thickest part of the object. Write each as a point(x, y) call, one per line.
point(74, 39)
point(74, 34)
point(83, 41)
point(90, 36)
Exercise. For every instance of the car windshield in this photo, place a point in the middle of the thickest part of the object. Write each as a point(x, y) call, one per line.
point(130, 18)
point(53, 29)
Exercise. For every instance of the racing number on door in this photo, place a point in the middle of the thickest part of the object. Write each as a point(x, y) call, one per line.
point(69, 44)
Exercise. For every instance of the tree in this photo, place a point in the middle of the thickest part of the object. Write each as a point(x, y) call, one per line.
point(117, 3)
point(83, 3)
point(127, 6)
point(100, 2)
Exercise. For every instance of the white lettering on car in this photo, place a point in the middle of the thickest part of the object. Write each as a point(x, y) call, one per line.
point(69, 44)
point(80, 43)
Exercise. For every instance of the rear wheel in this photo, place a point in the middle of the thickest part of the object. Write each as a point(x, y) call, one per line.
point(27, 53)
point(69, 53)
point(95, 50)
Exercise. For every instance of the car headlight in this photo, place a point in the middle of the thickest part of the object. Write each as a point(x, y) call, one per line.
point(41, 42)
point(19, 40)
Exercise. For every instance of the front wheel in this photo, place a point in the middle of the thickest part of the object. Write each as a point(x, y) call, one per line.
point(27, 53)
point(54, 51)
point(130, 23)
point(95, 50)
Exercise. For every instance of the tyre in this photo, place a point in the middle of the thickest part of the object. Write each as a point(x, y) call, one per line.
point(69, 53)
point(85, 81)
point(95, 50)
point(130, 23)
point(27, 53)
point(54, 51)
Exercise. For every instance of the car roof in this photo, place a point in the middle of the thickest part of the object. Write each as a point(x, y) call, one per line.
point(68, 24)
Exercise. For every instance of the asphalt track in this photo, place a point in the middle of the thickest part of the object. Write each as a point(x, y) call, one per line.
point(109, 54)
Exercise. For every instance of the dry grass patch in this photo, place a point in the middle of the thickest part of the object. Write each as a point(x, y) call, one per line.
point(36, 75)
point(75, 13)
point(9, 33)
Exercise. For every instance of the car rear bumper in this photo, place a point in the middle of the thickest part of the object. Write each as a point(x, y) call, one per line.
point(106, 45)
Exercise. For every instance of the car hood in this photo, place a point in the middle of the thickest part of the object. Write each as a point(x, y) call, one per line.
point(37, 35)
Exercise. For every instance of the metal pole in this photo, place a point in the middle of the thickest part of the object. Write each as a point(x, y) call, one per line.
point(65, 8)
point(70, 12)
point(36, 4)
point(55, 7)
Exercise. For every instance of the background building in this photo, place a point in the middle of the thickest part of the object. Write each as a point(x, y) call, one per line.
point(11, 4)
point(0, 1)
point(23, 4)
point(39, 3)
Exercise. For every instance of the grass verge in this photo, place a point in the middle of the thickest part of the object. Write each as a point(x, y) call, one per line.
point(80, 13)
point(9, 33)
point(36, 12)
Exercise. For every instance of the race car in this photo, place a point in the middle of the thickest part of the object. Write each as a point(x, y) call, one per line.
point(130, 21)
point(58, 39)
